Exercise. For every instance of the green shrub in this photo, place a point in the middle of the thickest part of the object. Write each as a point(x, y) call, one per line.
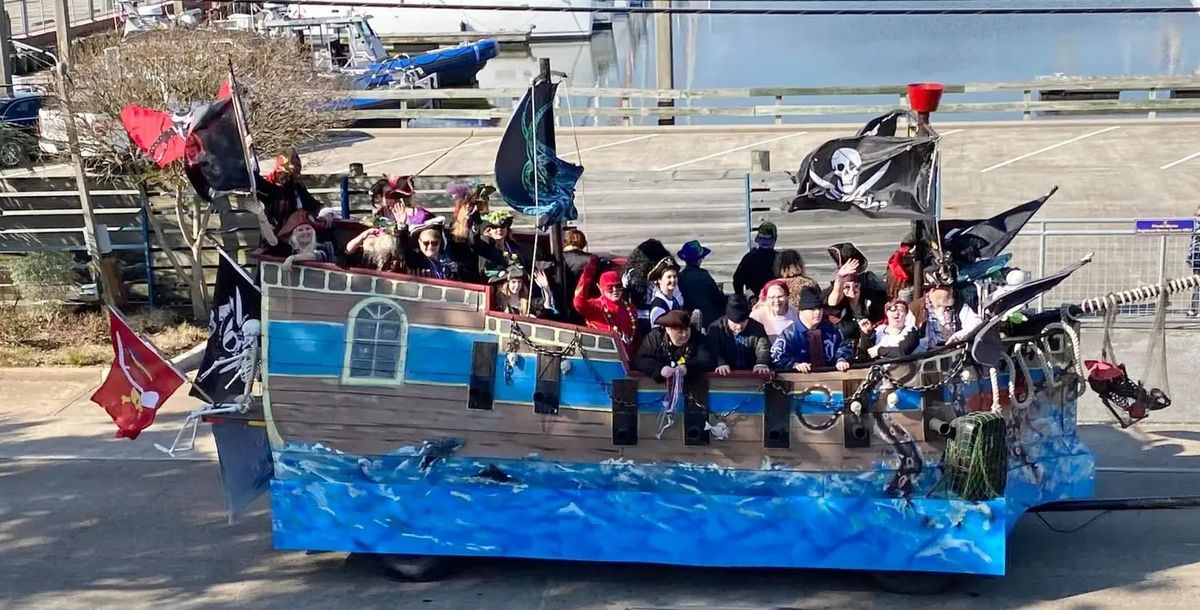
point(44, 276)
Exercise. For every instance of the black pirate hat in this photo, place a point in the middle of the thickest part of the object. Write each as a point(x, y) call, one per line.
point(844, 252)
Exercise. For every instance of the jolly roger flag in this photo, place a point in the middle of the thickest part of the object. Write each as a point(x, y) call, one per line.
point(883, 125)
point(970, 240)
point(234, 326)
point(882, 177)
point(214, 152)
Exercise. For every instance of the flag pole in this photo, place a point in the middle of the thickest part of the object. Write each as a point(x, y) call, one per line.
point(248, 157)
point(556, 245)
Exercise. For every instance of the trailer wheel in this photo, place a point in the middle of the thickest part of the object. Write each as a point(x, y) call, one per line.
point(416, 568)
point(915, 583)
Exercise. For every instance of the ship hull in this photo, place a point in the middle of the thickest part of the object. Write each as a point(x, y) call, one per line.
point(499, 436)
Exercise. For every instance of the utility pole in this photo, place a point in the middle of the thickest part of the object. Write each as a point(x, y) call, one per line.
point(6, 64)
point(665, 62)
point(108, 283)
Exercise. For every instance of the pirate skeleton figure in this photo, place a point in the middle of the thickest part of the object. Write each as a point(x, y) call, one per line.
point(239, 341)
point(843, 183)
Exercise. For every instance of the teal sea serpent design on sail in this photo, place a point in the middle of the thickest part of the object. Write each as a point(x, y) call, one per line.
point(529, 175)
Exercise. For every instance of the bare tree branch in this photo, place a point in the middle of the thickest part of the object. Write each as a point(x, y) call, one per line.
point(287, 99)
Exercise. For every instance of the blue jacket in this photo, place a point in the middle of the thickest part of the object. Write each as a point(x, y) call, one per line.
point(791, 347)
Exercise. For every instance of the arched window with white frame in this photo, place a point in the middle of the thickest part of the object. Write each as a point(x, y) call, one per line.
point(377, 335)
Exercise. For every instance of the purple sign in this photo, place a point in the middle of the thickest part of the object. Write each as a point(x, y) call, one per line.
point(1159, 226)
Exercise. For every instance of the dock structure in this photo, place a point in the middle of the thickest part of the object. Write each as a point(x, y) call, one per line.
point(32, 21)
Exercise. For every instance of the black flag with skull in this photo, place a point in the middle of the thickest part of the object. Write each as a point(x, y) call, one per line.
point(882, 177)
point(230, 358)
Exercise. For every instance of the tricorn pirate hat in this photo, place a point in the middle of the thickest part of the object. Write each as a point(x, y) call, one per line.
point(845, 252)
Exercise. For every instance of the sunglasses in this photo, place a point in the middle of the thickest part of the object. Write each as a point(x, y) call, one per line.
point(431, 243)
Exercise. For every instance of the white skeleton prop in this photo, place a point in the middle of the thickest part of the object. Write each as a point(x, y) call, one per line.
point(247, 365)
point(844, 185)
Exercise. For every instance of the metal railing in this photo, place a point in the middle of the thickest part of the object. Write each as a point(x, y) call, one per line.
point(27, 17)
point(1146, 96)
point(1122, 259)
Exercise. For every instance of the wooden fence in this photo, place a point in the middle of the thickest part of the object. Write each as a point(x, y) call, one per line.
point(1146, 96)
point(617, 211)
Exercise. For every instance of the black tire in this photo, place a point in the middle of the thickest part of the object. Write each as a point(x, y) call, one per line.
point(12, 154)
point(416, 568)
point(915, 583)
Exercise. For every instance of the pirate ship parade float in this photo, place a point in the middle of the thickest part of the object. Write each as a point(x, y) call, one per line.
point(401, 416)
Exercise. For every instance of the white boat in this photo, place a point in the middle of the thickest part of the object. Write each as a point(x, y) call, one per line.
point(395, 19)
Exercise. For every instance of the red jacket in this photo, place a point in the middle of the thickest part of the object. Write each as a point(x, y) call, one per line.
point(602, 313)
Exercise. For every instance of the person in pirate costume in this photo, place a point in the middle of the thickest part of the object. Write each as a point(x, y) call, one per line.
point(471, 202)
point(609, 312)
point(739, 343)
point(382, 247)
point(813, 342)
point(429, 257)
point(496, 249)
point(945, 319)
point(666, 295)
point(287, 203)
point(857, 295)
point(700, 291)
point(393, 201)
point(673, 348)
point(760, 265)
point(635, 276)
point(511, 294)
point(575, 259)
point(305, 246)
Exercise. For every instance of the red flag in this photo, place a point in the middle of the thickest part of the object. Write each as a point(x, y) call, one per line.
point(226, 90)
point(138, 381)
point(160, 134)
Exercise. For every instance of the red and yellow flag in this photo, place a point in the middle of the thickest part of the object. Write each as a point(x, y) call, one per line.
point(138, 381)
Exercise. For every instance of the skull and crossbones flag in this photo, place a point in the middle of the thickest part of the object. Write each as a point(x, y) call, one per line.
point(138, 382)
point(230, 357)
point(884, 125)
point(882, 177)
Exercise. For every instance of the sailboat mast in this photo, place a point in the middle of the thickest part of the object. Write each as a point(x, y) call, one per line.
point(556, 245)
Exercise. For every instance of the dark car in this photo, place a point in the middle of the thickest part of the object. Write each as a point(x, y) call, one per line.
point(19, 127)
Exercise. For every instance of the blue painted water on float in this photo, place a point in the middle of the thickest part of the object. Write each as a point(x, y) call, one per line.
point(684, 514)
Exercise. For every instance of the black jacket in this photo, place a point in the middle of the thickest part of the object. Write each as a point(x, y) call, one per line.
point(870, 306)
point(758, 267)
point(700, 291)
point(656, 352)
point(725, 349)
point(575, 261)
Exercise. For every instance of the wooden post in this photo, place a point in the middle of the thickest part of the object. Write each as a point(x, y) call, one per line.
point(665, 63)
point(61, 26)
point(760, 160)
point(6, 64)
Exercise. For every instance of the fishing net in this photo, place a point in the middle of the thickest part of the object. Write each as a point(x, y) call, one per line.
point(1127, 399)
point(975, 463)
point(1155, 373)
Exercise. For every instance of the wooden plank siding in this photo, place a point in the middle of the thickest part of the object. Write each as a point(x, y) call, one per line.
point(616, 216)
